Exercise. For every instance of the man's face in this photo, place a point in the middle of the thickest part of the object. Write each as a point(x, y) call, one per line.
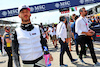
point(7, 30)
point(25, 15)
point(65, 20)
point(84, 12)
point(73, 17)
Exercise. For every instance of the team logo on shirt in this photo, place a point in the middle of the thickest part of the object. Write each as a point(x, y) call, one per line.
point(33, 33)
point(7, 35)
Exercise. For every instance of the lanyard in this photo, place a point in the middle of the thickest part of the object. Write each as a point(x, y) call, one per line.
point(85, 23)
point(60, 27)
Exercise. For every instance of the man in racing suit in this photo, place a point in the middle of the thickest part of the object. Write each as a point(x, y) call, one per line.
point(28, 40)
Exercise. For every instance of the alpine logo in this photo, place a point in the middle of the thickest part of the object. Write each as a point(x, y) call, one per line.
point(33, 33)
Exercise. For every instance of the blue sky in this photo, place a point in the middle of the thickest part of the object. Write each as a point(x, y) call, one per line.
point(44, 17)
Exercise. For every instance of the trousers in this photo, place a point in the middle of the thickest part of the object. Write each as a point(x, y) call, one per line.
point(9, 53)
point(86, 40)
point(77, 50)
point(64, 48)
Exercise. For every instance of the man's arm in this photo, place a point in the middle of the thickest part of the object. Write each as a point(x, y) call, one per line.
point(73, 29)
point(89, 33)
point(61, 32)
point(8, 40)
point(15, 47)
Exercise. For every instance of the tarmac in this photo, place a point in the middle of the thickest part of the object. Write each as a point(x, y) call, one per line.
point(56, 54)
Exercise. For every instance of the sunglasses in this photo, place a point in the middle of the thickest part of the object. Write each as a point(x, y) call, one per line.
point(85, 11)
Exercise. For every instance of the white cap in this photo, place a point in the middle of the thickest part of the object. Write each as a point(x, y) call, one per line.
point(23, 7)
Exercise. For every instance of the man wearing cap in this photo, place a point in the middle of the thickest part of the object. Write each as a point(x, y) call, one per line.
point(29, 41)
point(7, 45)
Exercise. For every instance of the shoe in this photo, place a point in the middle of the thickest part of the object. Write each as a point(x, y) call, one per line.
point(70, 50)
point(36, 66)
point(64, 65)
point(82, 62)
point(85, 56)
point(74, 60)
point(2, 61)
point(97, 64)
point(56, 47)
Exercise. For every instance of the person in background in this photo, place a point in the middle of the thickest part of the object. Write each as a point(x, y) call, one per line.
point(50, 32)
point(29, 41)
point(54, 40)
point(1, 43)
point(42, 31)
point(84, 36)
point(75, 35)
point(47, 33)
point(73, 17)
point(93, 19)
point(8, 45)
point(61, 34)
point(71, 21)
point(98, 20)
point(69, 35)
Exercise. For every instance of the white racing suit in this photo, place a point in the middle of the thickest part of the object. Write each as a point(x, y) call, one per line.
point(29, 43)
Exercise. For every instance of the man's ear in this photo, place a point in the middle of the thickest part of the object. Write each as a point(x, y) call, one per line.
point(19, 16)
point(30, 14)
point(80, 13)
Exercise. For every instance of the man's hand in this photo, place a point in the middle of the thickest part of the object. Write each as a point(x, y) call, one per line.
point(51, 58)
point(64, 41)
point(89, 33)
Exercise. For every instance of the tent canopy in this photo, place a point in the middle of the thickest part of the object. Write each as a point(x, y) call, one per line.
point(7, 22)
